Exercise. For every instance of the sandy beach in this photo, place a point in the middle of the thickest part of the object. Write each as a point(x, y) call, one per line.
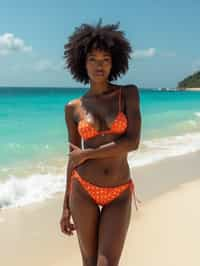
point(165, 231)
point(192, 89)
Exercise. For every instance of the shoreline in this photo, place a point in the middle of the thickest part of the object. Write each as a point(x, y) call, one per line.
point(169, 190)
point(190, 89)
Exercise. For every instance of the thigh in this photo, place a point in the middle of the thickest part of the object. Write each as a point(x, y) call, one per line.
point(85, 215)
point(113, 226)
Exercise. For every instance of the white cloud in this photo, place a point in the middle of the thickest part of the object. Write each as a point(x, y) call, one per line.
point(150, 52)
point(9, 43)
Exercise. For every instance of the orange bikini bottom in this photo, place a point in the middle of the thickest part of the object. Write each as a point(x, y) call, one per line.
point(103, 195)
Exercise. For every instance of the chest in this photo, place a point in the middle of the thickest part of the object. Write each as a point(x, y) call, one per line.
point(99, 113)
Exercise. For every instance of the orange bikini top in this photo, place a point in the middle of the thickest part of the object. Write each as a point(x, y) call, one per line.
point(118, 126)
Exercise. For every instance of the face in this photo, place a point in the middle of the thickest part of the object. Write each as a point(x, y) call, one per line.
point(98, 65)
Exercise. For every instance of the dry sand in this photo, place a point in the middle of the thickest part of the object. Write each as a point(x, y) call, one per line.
point(165, 231)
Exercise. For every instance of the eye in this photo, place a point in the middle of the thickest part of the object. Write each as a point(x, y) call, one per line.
point(107, 60)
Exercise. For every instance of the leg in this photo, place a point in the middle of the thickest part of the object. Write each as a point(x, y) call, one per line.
point(113, 226)
point(85, 214)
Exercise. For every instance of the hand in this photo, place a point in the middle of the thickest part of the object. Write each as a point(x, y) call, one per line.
point(77, 156)
point(66, 226)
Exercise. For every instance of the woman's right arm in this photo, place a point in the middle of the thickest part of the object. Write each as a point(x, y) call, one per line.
point(74, 138)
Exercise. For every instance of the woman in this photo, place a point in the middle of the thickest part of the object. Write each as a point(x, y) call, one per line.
point(107, 118)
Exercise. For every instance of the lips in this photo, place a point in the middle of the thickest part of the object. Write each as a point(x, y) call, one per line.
point(99, 73)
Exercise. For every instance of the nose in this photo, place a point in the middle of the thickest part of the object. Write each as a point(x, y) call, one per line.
point(99, 63)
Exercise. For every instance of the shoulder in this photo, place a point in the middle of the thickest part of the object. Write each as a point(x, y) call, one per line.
point(71, 105)
point(131, 92)
point(71, 109)
point(131, 88)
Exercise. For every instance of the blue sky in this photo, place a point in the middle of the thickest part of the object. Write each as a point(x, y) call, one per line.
point(164, 36)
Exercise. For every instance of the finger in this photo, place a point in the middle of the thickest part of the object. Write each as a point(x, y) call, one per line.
point(72, 226)
point(67, 227)
point(72, 229)
point(66, 230)
point(63, 230)
point(74, 146)
point(69, 231)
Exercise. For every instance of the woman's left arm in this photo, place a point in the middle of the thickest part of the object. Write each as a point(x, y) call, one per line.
point(128, 141)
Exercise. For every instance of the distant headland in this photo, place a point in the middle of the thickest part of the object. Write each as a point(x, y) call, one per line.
point(190, 83)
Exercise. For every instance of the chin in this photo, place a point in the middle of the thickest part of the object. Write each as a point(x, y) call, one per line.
point(100, 78)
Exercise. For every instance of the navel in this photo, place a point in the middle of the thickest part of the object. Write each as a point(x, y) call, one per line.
point(106, 171)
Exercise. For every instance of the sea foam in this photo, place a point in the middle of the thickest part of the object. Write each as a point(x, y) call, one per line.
point(159, 149)
point(18, 192)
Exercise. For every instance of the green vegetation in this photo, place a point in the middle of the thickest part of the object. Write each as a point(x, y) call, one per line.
point(192, 81)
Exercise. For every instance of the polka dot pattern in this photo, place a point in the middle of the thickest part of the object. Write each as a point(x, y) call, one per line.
point(118, 126)
point(102, 195)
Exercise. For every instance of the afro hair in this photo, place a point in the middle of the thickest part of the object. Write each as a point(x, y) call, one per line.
point(87, 37)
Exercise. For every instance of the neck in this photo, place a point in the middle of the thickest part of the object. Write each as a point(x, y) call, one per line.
point(98, 88)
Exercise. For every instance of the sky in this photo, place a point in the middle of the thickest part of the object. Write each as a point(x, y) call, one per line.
point(164, 36)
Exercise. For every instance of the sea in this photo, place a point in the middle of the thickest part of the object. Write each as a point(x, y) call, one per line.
point(33, 137)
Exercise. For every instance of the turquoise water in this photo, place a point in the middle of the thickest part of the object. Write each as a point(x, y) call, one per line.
point(33, 134)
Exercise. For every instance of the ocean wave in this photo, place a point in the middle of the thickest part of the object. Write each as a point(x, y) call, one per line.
point(18, 192)
point(162, 148)
point(197, 114)
point(191, 124)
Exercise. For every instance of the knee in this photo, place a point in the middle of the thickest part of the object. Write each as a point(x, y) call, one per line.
point(104, 260)
point(89, 261)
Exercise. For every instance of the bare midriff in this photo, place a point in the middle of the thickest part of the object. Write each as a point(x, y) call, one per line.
point(109, 171)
